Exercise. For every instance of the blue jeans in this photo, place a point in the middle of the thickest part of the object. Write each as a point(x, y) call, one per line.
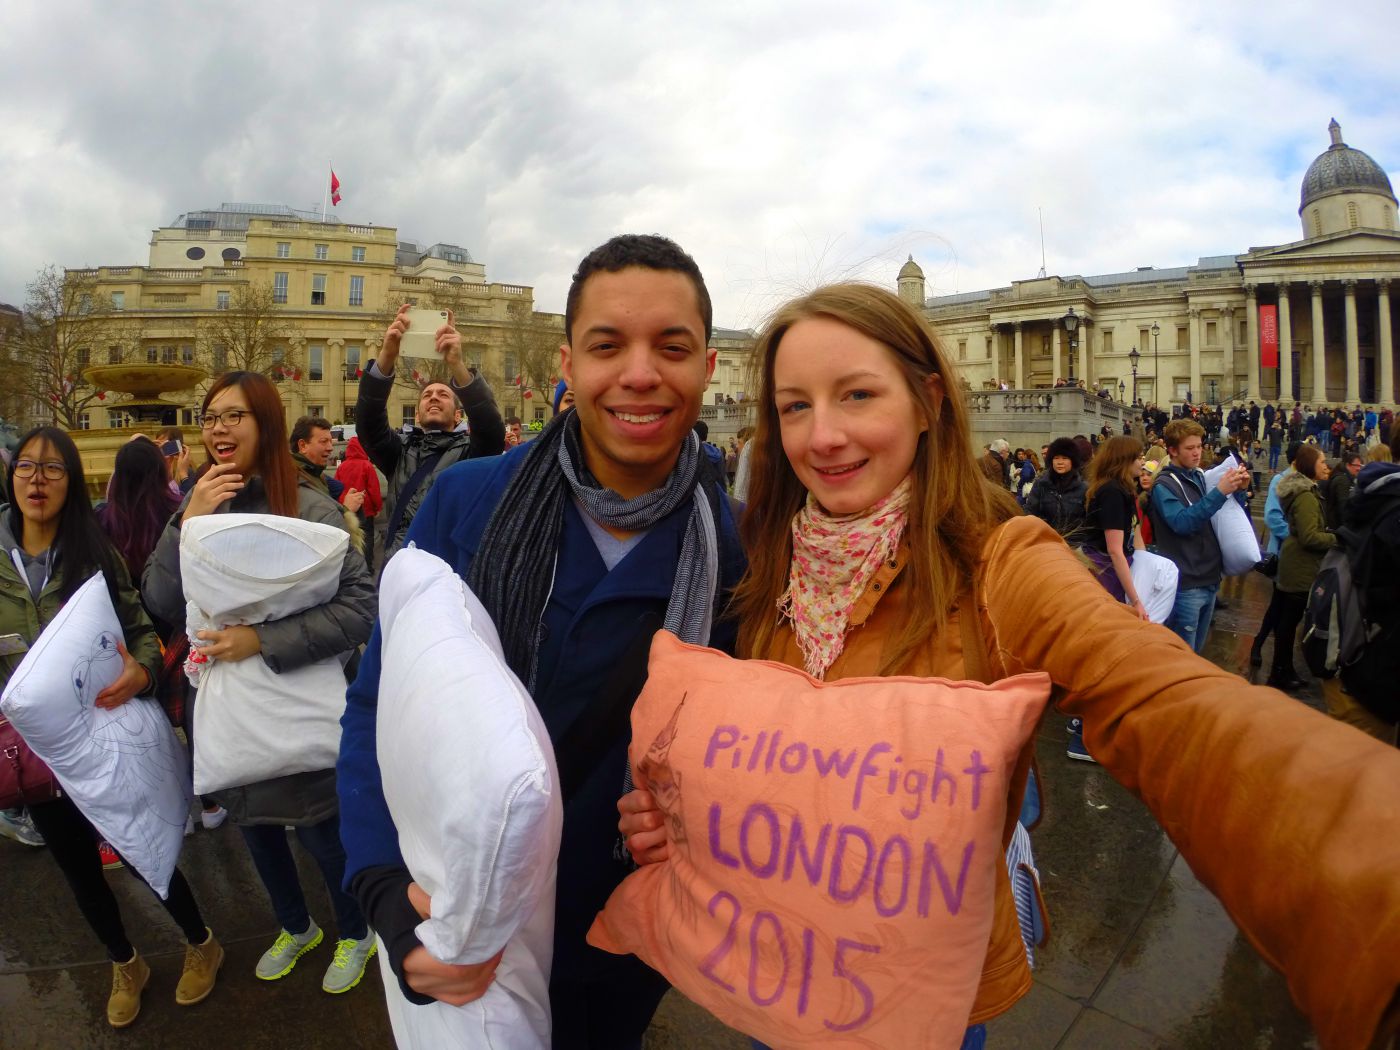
point(1191, 614)
point(272, 856)
point(974, 1039)
point(1273, 457)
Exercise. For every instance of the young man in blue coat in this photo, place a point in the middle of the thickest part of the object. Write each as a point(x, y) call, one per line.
point(611, 524)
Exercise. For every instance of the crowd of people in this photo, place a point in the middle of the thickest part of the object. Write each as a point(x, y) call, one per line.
point(853, 501)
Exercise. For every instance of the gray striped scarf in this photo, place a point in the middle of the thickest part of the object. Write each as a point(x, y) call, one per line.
point(513, 569)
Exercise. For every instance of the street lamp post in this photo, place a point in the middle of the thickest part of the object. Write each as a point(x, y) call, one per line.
point(1156, 374)
point(1071, 325)
point(1133, 356)
point(1122, 389)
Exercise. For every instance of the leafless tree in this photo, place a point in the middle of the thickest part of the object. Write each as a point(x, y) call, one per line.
point(67, 326)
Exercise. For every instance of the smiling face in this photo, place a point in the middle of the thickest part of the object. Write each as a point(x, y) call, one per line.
point(849, 423)
point(638, 368)
point(437, 407)
point(40, 499)
point(236, 444)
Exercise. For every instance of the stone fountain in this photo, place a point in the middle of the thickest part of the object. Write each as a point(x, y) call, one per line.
point(147, 411)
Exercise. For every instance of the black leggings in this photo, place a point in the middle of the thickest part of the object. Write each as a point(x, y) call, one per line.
point(73, 842)
point(1290, 615)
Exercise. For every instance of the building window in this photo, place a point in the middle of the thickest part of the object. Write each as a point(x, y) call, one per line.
point(84, 304)
point(187, 417)
point(194, 254)
point(1183, 338)
point(221, 300)
point(318, 289)
point(220, 355)
point(279, 287)
point(1210, 333)
point(85, 421)
point(357, 254)
point(323, 251)
point(231, 255)
point(118, 300)
point(1352, 217)
point(511, 367)
point(167, 355)
point(357, 291)
point(962, 349)
point(284, 249)
point(316, 410)
point(279, 356)
point(152, 355)
point(316, 364)
point(84, 357)
point(1108, 340)
point(352, 362)
point(115, 419)
point(539, 413)
point(1183, 388)
point(187, 354)
point(409, 412)
point(114, 355)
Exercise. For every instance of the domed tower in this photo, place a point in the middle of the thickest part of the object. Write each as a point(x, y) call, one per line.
point(911, 283)
point(1345, 189)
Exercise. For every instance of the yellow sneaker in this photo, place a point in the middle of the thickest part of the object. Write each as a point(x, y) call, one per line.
point(202, 962)
point(128, 979)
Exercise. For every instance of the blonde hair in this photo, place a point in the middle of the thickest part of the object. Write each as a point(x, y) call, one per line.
point(1379, 454)
point(953, 506)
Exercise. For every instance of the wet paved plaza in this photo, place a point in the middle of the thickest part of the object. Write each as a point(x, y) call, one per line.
point(1141, 956)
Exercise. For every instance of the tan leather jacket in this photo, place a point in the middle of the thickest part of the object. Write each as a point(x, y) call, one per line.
point(1231, 771)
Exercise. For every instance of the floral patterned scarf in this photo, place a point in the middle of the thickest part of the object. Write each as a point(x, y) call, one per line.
point(834, 558)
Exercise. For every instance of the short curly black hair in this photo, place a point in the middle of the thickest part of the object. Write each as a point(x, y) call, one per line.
point(650, 251)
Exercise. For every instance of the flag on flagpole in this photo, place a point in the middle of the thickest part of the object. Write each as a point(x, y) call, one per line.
point(335, 188)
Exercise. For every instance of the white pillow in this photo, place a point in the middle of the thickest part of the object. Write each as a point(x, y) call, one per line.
point(1239, 545)
point(469, 778)
point(1155, 578)
point(123, 768)
point(250, 723)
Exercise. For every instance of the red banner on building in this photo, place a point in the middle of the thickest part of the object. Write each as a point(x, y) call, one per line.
point(1268, 336)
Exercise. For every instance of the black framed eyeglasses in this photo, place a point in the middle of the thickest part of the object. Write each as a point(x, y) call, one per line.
point(53, 470)
point(231, 418)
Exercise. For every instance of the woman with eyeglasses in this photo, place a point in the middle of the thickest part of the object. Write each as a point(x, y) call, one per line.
point(251, 471)
point(55, 545)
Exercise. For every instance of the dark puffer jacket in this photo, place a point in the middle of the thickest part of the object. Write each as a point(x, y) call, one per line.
point(339, 626)
point(1058, 499)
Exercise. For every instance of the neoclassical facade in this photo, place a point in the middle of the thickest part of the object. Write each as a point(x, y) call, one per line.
point(1197, 329)
point(335, 285)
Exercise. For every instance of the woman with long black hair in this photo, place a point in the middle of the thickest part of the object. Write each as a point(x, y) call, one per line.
point(54, 545)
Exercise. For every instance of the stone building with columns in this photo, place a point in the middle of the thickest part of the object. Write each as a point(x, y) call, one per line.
point(1196, 329)
point(334, 287)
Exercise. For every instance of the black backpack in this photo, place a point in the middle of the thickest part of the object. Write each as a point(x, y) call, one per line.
point(1352, 624)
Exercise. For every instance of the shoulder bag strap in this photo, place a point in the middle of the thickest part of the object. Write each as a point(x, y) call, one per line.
point(406, 496)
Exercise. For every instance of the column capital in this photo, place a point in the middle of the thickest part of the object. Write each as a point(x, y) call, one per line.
point(1251, 290)
point(1282, 287)
point(1227, 311)
point(1383, 283)
point(336, 341)
point(1017, 325)
point(1315, 286)
point(1195, 312)
point(1350, 285)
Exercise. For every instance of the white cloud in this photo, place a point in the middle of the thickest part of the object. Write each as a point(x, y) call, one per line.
point(782, 143)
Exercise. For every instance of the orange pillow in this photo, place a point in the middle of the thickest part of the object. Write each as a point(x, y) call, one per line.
point(833, 846)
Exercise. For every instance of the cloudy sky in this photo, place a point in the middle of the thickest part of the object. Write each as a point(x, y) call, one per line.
point(782, 144)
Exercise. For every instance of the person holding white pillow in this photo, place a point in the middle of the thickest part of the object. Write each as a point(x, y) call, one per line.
point(54, 545)
point(251, 470)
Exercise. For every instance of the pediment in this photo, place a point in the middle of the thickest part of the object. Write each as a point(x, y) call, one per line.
point(1352, 244)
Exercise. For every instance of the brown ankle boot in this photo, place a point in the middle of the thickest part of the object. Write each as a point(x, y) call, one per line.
point(128, 979)
point(202, 962)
